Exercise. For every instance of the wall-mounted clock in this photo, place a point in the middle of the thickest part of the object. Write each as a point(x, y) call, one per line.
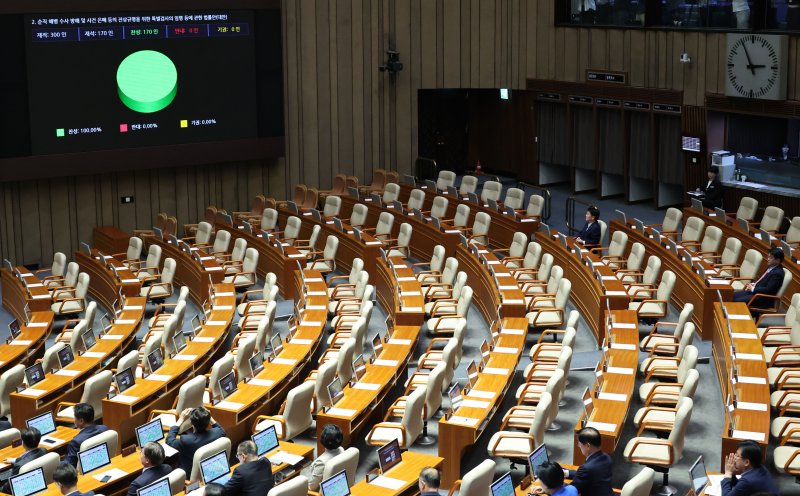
point(756, 66)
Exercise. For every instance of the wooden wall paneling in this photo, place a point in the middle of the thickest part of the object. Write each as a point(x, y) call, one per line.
point(387, 91)
point(475, 43)
point(636, 53)
point(400, 113)
point(309, 92)
point(318, 169)
point(342, 88)
point(360, 91)
point(29, 221)
point(45, 222)
point(584, 54)
point(598, 49)
point(187, 208)
point(486, 50)
point(616, 44)
point(60, 217)
point(144, 202)
point(86, 217)
point(465, 43)
point(515, 43)
point(530, 50)
point(291, 93)
point(451, 54)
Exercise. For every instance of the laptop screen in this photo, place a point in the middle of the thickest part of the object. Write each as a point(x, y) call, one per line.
point(14, 328)
point(472, 374)
point(359, 367)
point(151, 432)
point(336, 485)
point(155, 360)
point(377, 345)
point(44, 423)
point(335, 390)
point(88, 339)
point(160, 487)
point(257, 363)
point(228, 384)
point(179, 341)
point(28, 483)
point(536, 458)
point(455, 396)
point(502, 486)
point(265, 440)
point(124, 380)
point(276, 343)
point(214, 467)
point(34, 374)
point(588, 404)
point(65, 356)
point(389, 455)
point(698, 475)
point(93, 458)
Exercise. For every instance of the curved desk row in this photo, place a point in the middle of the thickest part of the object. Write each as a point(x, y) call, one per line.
point(18, 294)
point(198, 276)
point(105, 284)
point(30, 341)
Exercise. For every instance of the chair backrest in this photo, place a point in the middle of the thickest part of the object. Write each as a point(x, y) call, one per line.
point(773, 217)
point(690, 383)
point(292, 229)
point(672, 219)
point(48, 462)
point(152, 344)
point(111, 437)
point(565, 359)
point(464, 301)
point(469, 184)
point(459, 284)
point(177, 480)
point(572, 319)
point(359, 329)
point(450, 270)
point(60, 262)
point(352, 182)
point(686, 339)
point(515, 198)
point(404, 236)
point(344, 360)
point(50, 357)
point(8, 436)
point(269, 219)
point(666, 286)
point(239, 247)
point(10, 380)
point(347, 461)
point(209, 449)
point(246, 348)
point(748, 207)
point(793, 233)
point(688, 362)
point(378, 179)
point(730, 254)
point(75, 338)
point(787, 278)
point(171, 227)
point(390, 193)
point(190, 394)
point(533, 255)
point(339, 184)
point(480, 227)
point(134, 249)
point(296, 486)
point(203, 234)
point(433, 390)
point(535, 206)
point(325, 375)
point(250, 262)
point(153, 256)
point(392, 177)
point(603, 230)
point(449, 356)
point(82, 287)
point(222, 367)
point(462, 215)
point(385, 223)
point(210, 214)
point(264, 328)
point(412, 416)
point(618, 242)
point(297, 413)
point(312, 198)
point(299, 194)
point(678, 433)
point(359, 215)
point(439, 207)
point(562, 294)
point(712, 238)
point(437, 258)
point(95, 389)
point(168, 273)
point(445, 180)
point(476, 482)
point(168, 332)
point(545, 267)
point(221, 242)
point(556, 274)
point(491, 191)
point(751, 263)
point(71, 277)
point(518, 245)
point(641, 484)
point(569, 337)
point(130, 360)
point(542, 419)
point(651, 270)
point(635, 257)
point(333, 205)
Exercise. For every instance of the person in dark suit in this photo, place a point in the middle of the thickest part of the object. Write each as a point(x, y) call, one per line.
point(30, 441)
point(744, 474)
point(4, 424)
point(206, 430)
point(429, 481)
point(712, 189)
point(593, 478)
point(66, 478)
point(769, 283)
point(590, 234)
point(84, 421)
point(253, 476)
point(152, 458)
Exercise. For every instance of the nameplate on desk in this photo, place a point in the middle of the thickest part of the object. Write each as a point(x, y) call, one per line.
point(129, 281)
point(125, 321)
point(26, 275)
point(44, 296)
point(374, 242)
point(474, 404)
point(619, 370)
point(513, 302)
point(229, 405)
point(112, 337)
point(468, 421)
point(206, 258)
point(226, 293)
point(402, 342)
point(608, 278)
point(749, 356)
point(410, 293)
point(300, 341)
point(616, 293)
point(317, 293)
point(495, 371)
point(388, 482)
point(21, 342)
point(314, 279)
point(124, 398)
point(527, 219)
point(623, 325)
point(185, 358)
point(744, 335)
point(287, 458)
point(315, 307)
point(411, 309)
point(407, 279)
point(112, 474)
point(32, 392)
point(368, 386)
point(755, 407)
point(93, 354)
point(133, 307)
point(68, 372)
point(738, 316)
point(37, 324)
point(284, 361)
point(212, 269)
point(612, 397)
point(158, 377)
point(597, 264)
point(743, 379)
point(602, 426)
point(487, 395)
point(203, 339)
point(753, 436)
point(493, 262)
point(505, 349)
point(223, 307)
point(452, 231)
point(261, 382)
point(341, 412)
point(508, 288)
point(513, 332)
point(37, 285)
point(385, 363)
point(216, 323)
point(719, 281)
point(310, 323)
point(296, 255)
point(623, 346)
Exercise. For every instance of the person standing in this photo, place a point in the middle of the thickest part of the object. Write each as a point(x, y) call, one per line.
point(713, 189)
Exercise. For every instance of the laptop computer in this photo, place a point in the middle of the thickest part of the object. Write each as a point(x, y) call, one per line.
point(721, 215)
point(276, 344)
point(451, 190)
point(536, 458)
point(472, 197)
point(492, 204)
point(160, 487)
point(124, 380)
point(265, 441)
point(88, 340)
point(502, 486)
point(335, 390)
point(215, 468)
point(743, 225)
point(472, 374)
point(389, 455)
point(338, 223)
point(153, 432)
point(45, 424)
point(6, 473)
point(34, 374)
point(93, 458)
point(336, 485)
point(15, 329)
point(621, 216)
point(28, 483)
point(588, 405)
point(698, 475)
point(377, 345)
point(227, 385)
point(155, 360)
point(257, 363)
point(178, 342)
point(697, 205)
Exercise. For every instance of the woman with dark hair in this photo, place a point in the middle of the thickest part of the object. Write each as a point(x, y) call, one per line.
point(331, 438)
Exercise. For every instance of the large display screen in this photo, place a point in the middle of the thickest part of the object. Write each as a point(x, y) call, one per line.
point(123, 80)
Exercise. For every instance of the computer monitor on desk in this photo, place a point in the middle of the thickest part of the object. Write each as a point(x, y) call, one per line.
point(44, 423)
point(536, 458)
point(28, 483)
point(124, 380)
point(160, 487)
point(698, 475)
point(502, 486)
point(65, 356)
point(336, 485)
point(34, 374)
point(93, 458)
point(266, 440)
point(335, 390)
point(215, 468)
point(389, 455)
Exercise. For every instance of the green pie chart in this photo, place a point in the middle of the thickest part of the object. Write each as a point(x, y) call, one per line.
point(147, 81)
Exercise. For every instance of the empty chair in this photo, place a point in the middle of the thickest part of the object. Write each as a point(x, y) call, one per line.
point(513, 255)
point(324, 376)
point(339, 187)
point(633, 262)
point(307, 246)
point(241, 363)
point(71, 301)
point(256, 207)
point(161, 288)
point(66, 332)
point(529, 267)
point(677, 373)
point(351, 298)
point(68, 280)
point(446, 298)
point(47, 462)
point(535, 207)
point(378, 181)
point(383, 230)
point(390, 193)
point(747, 271)
point(469, 184)
point(461, 218)
point(476, 482)
point(634, 281)
point(709, 247)
point(56, 271)
point(204, 452)
point(515, 444)
point(772, 219)
point(327, 262)
point(407, 430)
point(95, 389)
point(438, 207)
point(693, 230)
point(480, 229)
point(542, 370)
point(263, 296)
point(416, 200)
point(491, 191)
point(246, 276)
point(291, 231)
point(269, 219)
point(672, 220)
point(202, 237)
point(545, 310)
point(446, 319)
point(641, 484)
point(662, 361)
point(665, 412)
point(355, 326)
point(295, 414)
point(550, 351)
point(401, 246)
point(348, 282)
point(220, 247)
point(222, 367)
point(445, 180)
point(776, 335)
point(434, 267)
point(433, 383)
point(359, 215)
point(49, 360)
point(177, 480)
point(233, 262)
point(615, 250)
point(657, 305)
point(515, 198)
point(149, 267)
point(333, 205)
point(190, 395)
point(130, 255)
point(748, 207)
point(666, 339)
point(311, 199)
point(729, 256)
point(792, 236)
point(10, 380)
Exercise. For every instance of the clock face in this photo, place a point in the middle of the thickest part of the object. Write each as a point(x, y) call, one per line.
point(755, 66)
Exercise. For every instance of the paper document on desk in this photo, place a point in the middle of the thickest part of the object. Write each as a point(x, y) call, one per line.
point(504, 349)
point(753, 436)
point(474, 404)
point(623, 325)
point(756, 407)
point(602, 426)
point(738, 316)
point(203, 339)
point(20, 342)
point(623, 346)
point(114, 473)
point(495, 371)
point(480, 394)
point(714, 487)
point(229, 405)
point(368, 386)
point(468, 421)
point(341, 412)
point(261, 382)
point(168, 450)
point(112, 337)
point(385, 363)
point(287, 458)
point(158, 377)
point(398, 341)
point(612, 397)
point(123, 398)
point(300, 341)
point(37, 324)
point(93, 354)
point(388, 482)
point(744, 335)
point(68, 372)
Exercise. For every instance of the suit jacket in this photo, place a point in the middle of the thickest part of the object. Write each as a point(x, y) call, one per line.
point(149, 476)
point(771, 282)
point(74, 446)
point(78, 493)
point(4, 424)
point(590, 234)
point(251, 479)
point(751, 482)
point(593, 478)
point(713, 193)
point(190, 442)
point(19, 462)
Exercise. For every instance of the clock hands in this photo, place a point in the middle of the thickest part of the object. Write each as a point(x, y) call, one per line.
point(749, 62)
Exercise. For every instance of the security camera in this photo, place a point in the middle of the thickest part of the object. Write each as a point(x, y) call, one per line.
point(685, 58)
point(393, 64)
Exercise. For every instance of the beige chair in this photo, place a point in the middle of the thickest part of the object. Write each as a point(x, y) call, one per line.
point(241, 362)
point(255, 311)
point(291, 231)
point(71, 301)
point(491, 191)
point(416, 201)
point(343, 358)
point(204, 452)
point(787, 460)
point(147, 268)
point(269, 220)
point(10, 380)
point(160, 288)
point(461, 218)
point(69, 280)
point(615, 251)
point(307, 246)
point(748, 208)
point(661, 418)
point(347, 461)
point(543, 287)
point(758, 307)
point(515, 198)
point(535, 207)
point(543, 370)
point(233, 262)
point(325, 374)
point(390, 193)
point(132, 253)
point(438, 207)
point(333, 205)
point(110, 437)
point(435, 265)
point(777, 335)
point(348, 294)
point(663, 339)
point(349, 281)
point(55, 271)
point(445, 180)
point(408, 429)
point(708, 249)
point(47, 462)
point(263, 296)
point(747, 271)
point(550, 351)
point(177, 480)
point(49, 360)
point(131, 361)
point(222, 367)
point(662, 360)
point(655, 308)
point(633, 263)
point(295, 414)
point(436, 353)
point(641, 484)
point(480, 229)
point(669, 226)
point(469, 184)
point(94, 391)
point(638, 284)
point(163, 310)
point(513, 255)
point(548, 309)
point(219, 249)
point(359, 215)
point(400, 247)
point(603, 231)
point(8, 436)
point(476, 482)
point(444, 298)
point(660, 454)
point(446, 320)
point(693, 231)
point(246, 276)
point(202, 238)
point(530, 393)
point(296, 486)
point(327, 262)
point(432, 282)
point(383, 230)
point(728, 258)
point(772, 219)
point(190, 395)
point(515, 444)
point(792, 236)
point(433, 382)
point(676, 374)
point(529, 267)
point(356, 327)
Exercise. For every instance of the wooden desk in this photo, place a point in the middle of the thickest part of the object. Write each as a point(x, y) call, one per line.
point(110, 239)
point(589, 294)
point(63, 434)
point(461, 431)
point(609, 415)
point(407, 308)
point(264, 395)
point(123, 413)
point(67, 383)
point(188, 272)
point(104, 283)
point(750, 424)
point(487, 295)
point(407, 470)
point(30, 342)
point(520, 490)
point(16, 295)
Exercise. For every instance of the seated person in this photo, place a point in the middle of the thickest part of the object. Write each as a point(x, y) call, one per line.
point(769, 283)
point(253, 476)
point(30, 442)
point(4, 424)
point(84, 421)
point(551, 478)
point(331, 438)
point(66, 479)
point(744, 474)
point(590, 234)
point(152, 458)
point(593, 478)
point(712, 189)
point(206, 430)
point(429, 481)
